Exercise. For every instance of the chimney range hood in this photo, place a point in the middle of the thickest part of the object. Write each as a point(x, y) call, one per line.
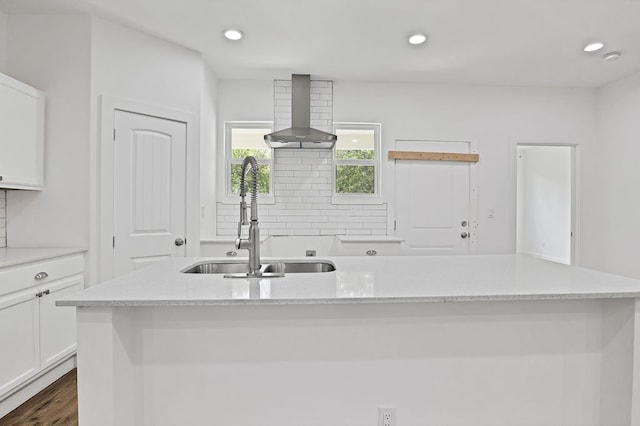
point(300, 134)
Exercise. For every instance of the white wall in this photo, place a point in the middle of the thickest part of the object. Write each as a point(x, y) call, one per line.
point(614, 207)
point(208, 154)
point(544, 202)
point(51, 53)
point(144, 70)
point(3, 42)
point(75, 60)
point(134, 65)
point(495, 116)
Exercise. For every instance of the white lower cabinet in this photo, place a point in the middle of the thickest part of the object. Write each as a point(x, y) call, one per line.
point(35, 334)
point(19, 337)
point(57, 324)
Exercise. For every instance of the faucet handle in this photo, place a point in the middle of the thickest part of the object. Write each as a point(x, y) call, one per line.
point(243, 214)
point(238, 243)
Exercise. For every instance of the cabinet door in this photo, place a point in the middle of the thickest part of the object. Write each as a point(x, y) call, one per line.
point(18, 338)
point(21, 135)
point(57, 323)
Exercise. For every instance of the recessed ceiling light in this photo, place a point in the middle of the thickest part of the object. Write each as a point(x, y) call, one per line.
point(593, 47)
point(611, 56)
point(417, 39)
point(233, 34)
point(354, 140)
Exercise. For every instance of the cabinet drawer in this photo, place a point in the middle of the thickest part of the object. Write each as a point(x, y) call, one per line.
point(38, 273)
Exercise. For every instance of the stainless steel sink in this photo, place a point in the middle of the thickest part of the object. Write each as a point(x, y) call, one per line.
point(300, 267)
point(217, 268)
point(273, 269)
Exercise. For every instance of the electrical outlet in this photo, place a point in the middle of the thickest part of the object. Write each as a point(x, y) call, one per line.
point(387, 416)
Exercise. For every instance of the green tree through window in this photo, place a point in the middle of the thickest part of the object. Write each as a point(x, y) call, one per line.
point(264, 172)
point(244, 139)
point(356, 159)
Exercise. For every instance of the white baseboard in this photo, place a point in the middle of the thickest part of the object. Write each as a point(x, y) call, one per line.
point(37, 384)
point(545, 257)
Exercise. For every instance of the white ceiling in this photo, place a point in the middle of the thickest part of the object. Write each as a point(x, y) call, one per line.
point(508, 42)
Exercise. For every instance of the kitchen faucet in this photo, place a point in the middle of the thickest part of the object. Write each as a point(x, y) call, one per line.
point(253, 242)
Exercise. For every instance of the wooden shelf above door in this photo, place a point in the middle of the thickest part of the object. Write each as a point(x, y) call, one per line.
point(433, 156)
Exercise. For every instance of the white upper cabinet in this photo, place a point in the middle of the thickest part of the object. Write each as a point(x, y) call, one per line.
point(21, 135)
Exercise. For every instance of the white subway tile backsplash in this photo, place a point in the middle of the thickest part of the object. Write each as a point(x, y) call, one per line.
point(301, 208)
point(303, 182)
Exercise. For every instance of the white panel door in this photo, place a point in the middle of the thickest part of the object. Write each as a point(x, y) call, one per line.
point(432, 200)
point(149, 190)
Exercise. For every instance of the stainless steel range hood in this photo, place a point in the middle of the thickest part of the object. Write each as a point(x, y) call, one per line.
point(300, 134)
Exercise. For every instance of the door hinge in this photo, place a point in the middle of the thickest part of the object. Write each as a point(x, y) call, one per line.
point(395, 225)
point(114, 134)
point(113, 242)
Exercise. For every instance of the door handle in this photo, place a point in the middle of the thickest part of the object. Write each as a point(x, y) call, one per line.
point(179, 242)
point(464, 235)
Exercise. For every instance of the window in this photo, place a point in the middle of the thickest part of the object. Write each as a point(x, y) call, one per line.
point(242, 139)
point(356, 162)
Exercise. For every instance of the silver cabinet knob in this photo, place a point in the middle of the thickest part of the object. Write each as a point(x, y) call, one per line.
point(231, 253)
point(41, 276)
point(463, 223)
point(464, 235)
point(371, 252)
point(179, 242)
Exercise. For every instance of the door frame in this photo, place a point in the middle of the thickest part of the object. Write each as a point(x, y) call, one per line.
point(473, 184)
point(108, 106)
point(514, 143)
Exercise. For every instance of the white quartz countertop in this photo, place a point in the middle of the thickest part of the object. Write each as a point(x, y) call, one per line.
point(11, 256)
point(378, 279)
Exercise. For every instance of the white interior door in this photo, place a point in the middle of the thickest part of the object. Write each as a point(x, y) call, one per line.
point(545, 202)
point(149, 190)
point(432, 200)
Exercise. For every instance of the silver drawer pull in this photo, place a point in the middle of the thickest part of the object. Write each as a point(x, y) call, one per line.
point(41, 275)
point(231, 253)
point(371, 252)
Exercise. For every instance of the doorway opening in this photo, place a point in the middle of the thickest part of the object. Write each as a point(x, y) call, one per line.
point(545, 202)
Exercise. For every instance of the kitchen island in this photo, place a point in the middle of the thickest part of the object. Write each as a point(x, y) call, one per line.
point(459, 340)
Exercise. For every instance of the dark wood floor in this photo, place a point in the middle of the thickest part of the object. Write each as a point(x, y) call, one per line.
point(57, 404)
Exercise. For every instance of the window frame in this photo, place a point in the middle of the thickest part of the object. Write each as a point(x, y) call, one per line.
point(376, 197)
point(231, 197)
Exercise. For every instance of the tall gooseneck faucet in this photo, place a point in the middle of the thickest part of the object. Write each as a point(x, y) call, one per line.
point(253, 242)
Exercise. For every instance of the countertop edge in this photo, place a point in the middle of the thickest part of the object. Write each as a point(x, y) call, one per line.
point(345, 301)
point(37, 254)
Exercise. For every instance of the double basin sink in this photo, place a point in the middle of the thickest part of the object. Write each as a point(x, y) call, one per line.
point(274, 268)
